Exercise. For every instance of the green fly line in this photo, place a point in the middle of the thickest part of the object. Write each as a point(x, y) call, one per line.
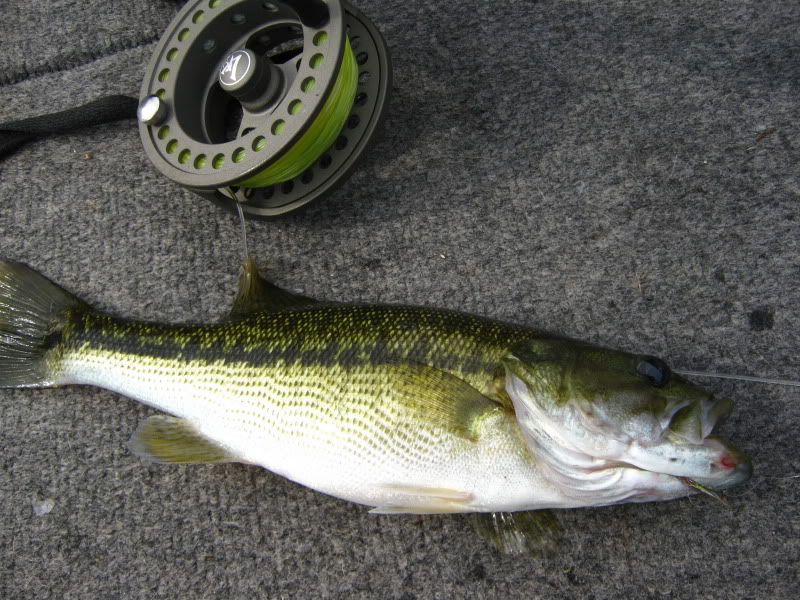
point(322, 132)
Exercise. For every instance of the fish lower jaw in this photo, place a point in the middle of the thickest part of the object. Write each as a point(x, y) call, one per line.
point(616, 484)
point(732, 477)
point(581, 479)
point(712, 463)
point(583, 475)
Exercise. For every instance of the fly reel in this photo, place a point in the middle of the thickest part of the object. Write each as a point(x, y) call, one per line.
point(269, 103)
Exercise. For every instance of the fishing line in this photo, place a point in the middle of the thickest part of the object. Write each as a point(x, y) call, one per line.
point(243, 225)
point(766, 380)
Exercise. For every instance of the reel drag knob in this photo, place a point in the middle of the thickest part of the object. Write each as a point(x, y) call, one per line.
point(274, 102)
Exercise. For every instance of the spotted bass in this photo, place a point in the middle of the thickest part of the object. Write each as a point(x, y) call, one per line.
point(402, 409)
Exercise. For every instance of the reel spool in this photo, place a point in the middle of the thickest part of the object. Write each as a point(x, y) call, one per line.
point(272, 103)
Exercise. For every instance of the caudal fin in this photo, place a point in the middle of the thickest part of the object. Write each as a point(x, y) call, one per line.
point(33, 311)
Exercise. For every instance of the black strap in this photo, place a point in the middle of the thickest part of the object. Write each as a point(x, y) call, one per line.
point(104, 110)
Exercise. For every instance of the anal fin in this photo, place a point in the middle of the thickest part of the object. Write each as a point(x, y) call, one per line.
point(537, 533)
point(170, 440)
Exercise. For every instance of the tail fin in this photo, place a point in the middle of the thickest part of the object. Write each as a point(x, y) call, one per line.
point(33, 310)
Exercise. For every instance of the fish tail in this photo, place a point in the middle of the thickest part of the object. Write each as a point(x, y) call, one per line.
point(33, 314)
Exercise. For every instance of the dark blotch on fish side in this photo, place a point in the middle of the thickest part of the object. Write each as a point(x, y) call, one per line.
point(379, 351)
point(762, 319)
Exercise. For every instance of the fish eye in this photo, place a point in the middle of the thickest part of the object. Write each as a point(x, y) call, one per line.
point(654, 370)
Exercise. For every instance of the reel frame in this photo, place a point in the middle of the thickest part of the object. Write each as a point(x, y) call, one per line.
point(190, 127)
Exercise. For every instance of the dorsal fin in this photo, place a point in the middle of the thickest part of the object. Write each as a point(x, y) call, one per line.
point(256, 294)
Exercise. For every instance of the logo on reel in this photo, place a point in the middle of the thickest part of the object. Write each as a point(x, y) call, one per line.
point(235, 68)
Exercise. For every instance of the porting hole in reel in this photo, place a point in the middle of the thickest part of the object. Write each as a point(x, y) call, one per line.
point(275, 99)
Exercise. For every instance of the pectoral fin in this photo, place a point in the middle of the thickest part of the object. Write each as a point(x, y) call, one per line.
point(536, 532)
point(164, 439)
point(437, 398)
point(256, 294)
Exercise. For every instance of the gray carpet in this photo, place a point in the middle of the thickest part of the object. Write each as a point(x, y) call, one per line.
point(622, 172)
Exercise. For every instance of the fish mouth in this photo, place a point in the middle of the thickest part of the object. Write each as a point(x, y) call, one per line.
point(690, 454)
point(718, 465)
point(695, 420)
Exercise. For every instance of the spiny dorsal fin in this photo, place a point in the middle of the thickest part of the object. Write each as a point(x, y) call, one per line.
point(534, 532)
point(256, 294)
point(171, 440)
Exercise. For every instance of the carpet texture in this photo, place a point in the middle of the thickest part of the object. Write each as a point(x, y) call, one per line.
point(624, 172)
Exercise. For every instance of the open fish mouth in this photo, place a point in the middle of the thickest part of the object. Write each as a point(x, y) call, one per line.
point(691, 452)
point(696, 425)
point(695, 420)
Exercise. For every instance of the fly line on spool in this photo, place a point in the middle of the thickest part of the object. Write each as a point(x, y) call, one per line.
point(322, 132)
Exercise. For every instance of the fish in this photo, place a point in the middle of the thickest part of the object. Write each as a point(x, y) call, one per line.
point(402, 409)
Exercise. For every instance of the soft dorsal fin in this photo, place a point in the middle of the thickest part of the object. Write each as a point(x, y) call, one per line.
point(256, 294)
point(171, 440)
point(537, 533)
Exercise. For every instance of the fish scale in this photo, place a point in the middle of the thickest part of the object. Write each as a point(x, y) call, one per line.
point(310, 394)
